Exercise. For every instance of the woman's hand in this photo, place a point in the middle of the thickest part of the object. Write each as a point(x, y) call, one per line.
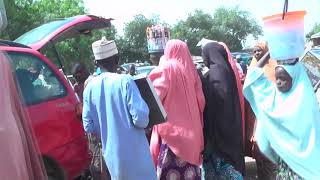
point(265, 58)
point(253, 139)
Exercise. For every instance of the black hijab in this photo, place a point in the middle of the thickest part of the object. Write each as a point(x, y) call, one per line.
point(222, 115)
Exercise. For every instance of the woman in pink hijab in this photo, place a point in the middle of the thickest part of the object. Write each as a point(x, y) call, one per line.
point(20, 157)
point(177, 145)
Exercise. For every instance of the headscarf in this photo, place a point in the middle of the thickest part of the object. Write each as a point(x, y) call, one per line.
point(20, 157)
point(269, 68)
point(223, 120)
point(288, 123)
point(263, 46)
point(269, 72)
point(238, 77)
point(179, 87)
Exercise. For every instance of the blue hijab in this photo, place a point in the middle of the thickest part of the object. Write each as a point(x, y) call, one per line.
point(288, 124)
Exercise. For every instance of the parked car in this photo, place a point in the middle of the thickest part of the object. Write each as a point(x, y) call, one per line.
point(245, 57)
point(48, 96)
point(311, 61)
point(140, 67)
point(145, 69)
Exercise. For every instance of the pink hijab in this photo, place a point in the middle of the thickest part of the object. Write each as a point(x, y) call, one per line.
point(179, 88)
point(19, 156)
point(239, 85)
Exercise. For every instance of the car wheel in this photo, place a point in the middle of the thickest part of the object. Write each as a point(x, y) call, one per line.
point(54, 171)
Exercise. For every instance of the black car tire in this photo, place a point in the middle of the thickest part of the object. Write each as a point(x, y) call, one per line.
point(54, 171)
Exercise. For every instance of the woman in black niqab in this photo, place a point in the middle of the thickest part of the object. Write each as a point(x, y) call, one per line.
point(222, 116)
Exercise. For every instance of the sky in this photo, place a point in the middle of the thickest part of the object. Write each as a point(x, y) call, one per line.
point(171, 11)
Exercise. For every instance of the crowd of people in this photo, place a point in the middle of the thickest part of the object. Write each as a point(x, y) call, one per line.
point(213, 121)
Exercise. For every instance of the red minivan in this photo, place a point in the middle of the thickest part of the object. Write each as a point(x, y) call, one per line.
point(49, 98)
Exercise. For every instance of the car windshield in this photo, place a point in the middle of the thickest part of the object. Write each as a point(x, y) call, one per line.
point(41, 32)
point(316, 52)
point(144, 70)
point(311, 63)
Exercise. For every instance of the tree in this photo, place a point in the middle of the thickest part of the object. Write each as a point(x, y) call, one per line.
point(24, 15)
point(315, 29)
point(235, 25)
point(197, 26)
point(77, 49)
point(229, 25)
point(18, 18)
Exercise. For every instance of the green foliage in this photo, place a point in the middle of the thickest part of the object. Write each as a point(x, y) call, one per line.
point(315, 29)
point(197, 26)
point(18, 18)
point(230, 25)
point(77, 49)
point(236, 25)
point(24, 15)
point(133, 46)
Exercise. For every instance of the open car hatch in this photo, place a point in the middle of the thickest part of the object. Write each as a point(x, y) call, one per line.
point(62, 29)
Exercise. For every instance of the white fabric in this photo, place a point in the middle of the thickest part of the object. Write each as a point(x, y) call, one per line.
point(204, 41)
point(103, 49)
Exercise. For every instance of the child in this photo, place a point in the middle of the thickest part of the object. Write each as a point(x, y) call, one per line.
point(283, 79)
point(288, 116)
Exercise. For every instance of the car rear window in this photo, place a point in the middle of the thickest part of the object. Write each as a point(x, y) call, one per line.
point(37, 81)
point(41, 32)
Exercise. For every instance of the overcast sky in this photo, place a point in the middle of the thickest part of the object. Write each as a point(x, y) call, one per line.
point(171, 11)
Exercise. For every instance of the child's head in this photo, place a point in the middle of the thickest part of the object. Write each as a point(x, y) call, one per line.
point(283, 79)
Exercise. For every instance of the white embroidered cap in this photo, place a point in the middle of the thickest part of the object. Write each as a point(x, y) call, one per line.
point(203, 42)
point(103, 49)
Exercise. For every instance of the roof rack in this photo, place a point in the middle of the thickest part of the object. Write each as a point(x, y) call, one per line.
point(12, 44)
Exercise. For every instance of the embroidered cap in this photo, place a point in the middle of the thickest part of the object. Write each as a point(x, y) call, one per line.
point(103, 49)
point(203, 42)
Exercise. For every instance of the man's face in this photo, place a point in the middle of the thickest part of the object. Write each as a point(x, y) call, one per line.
point(80, 75)
point(257, 52)
point(155, 58)
point(35, 72)
point(283, 80)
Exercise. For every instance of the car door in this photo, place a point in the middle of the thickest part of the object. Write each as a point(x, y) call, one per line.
point(50, 101)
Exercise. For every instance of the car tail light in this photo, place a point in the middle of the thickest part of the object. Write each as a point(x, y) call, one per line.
point(78, 110)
